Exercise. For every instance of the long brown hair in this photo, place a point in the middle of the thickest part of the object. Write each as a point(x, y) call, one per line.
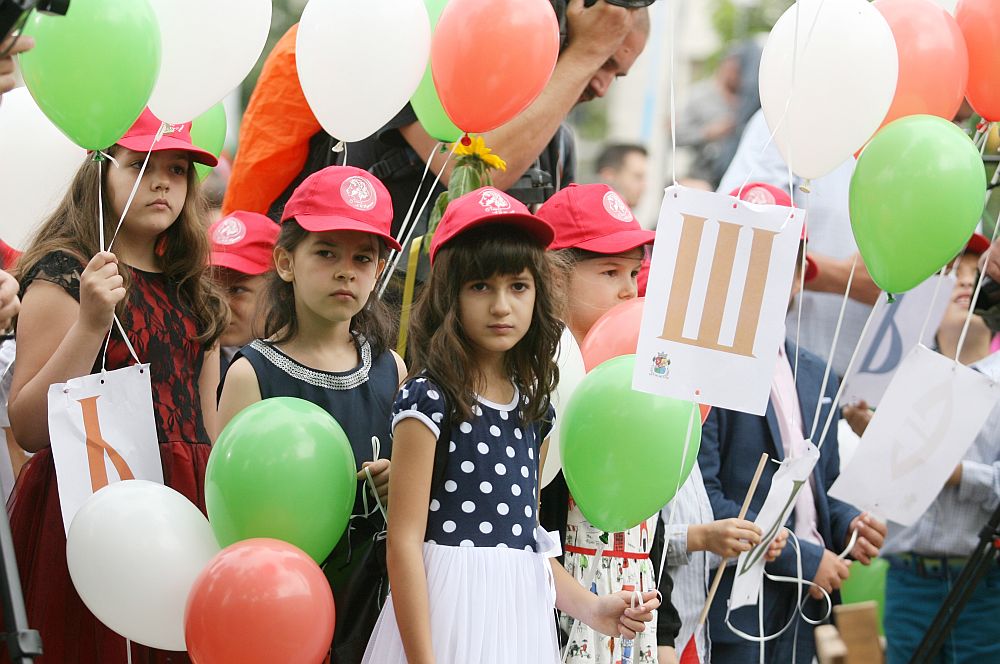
point(182, 254)
point(441, 347)
point(374, 322)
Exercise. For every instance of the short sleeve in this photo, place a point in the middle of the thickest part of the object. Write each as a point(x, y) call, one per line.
point(58, 268)
point(420, 399)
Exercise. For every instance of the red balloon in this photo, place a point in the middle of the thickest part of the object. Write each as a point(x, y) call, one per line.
point(979, 21)
point(260, 600)
point(615, 333)
point(933, 60)
point(491, 59)
point(705, 410)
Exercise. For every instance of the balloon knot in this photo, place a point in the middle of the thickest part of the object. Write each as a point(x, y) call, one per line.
point(466, 141)
point(339, 147)
point(890, 298)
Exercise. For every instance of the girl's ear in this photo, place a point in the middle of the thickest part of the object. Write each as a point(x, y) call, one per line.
point(378, 272)
point(284, 264)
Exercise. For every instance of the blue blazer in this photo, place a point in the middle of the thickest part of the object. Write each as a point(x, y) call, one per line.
point(731, 445)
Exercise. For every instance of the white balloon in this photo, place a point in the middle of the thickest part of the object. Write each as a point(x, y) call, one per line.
point(41, 163)
point(360, 61)
point(844, 81)
point(209, 47)
point(571, 372)
point(134, 551)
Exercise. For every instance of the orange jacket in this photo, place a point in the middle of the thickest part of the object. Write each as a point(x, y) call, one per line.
point(274, 134)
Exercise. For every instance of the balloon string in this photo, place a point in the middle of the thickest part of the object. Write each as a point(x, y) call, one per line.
point(802, 287)
point(128, 651)
point(937, 288)
point(833, 348)
point(843, 383)
point(673, 102)
point(135, 187)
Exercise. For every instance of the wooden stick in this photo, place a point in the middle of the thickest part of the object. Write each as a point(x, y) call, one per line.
point(743, 512)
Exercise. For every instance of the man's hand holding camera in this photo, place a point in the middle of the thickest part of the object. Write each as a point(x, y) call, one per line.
point(19, 45)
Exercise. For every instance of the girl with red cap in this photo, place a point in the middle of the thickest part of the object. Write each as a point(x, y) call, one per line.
point(71, 287)
point(325, 340)
point(474, 577)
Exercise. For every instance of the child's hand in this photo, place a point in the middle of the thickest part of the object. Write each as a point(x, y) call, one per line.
point(858, 416)
point(9, 302)
point(380, 476)
point(726, 537)
point(101, 289)
point(777, 545)
point(613, 617)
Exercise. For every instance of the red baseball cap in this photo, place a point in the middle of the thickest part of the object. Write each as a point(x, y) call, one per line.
point(141, 136)
point(343, 198)
point(593, 217)
point(8, 255)
point(488, 205)
point(977, 244)
point(761, 193)
point(244, 242)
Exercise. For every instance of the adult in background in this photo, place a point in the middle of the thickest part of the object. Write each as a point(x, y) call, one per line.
point(623, 167)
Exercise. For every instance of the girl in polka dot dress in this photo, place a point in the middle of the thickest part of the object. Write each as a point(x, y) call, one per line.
point(473, 577)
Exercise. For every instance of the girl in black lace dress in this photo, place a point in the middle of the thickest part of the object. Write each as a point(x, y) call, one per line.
point(70, 290)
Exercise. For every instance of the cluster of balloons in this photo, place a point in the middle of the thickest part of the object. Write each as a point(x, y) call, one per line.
point(280, 486)
point(439, 54)
point(608, 439)
point(919, 181)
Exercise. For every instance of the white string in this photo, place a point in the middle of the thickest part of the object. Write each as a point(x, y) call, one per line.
point(128, 650)
point(135, 187)
point(405, 226)
point(802, 286)
point(100, 203)
point(930, 309)
point(673, 102)
point(843, 383)
point(413, 223)
point(975, 294)
point(833, 348)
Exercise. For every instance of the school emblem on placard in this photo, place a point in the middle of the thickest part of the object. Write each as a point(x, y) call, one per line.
point(358, 193)
point(616, 207)
point(229, 231)
point(660, 366)
point(494, 202)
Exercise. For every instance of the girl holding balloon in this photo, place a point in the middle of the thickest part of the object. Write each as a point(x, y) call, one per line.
point(325, 341)
point(71, 287)
point(473, 575)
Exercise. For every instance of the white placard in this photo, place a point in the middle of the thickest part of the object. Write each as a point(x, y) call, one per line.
point(102, 430)
point(792, 477)
point(895, 327)
point(928, 418)
point(718, 292)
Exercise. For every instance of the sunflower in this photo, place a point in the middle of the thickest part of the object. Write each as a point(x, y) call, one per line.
point(477, 150)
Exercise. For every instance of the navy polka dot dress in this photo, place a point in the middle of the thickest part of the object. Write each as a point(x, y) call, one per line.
point(490, 492)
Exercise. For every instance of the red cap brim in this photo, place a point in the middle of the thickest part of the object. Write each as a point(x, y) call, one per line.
point(142, 143)
point(977, 244)
point(530, 224)
point(319, 224)
point(240, 264)
point(615, 243)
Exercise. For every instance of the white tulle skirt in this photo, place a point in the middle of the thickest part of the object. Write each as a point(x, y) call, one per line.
point(488, 606)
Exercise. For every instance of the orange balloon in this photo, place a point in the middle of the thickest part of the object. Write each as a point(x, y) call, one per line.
point(491, 58)
point(705, 410)
point(933, 61)
point(979, 21)
point(615, 333)
point(260, 600)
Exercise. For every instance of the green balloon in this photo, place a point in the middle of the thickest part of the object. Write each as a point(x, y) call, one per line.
point(425, 101)
point(282, 468)
point(866, 583)
point(916, 197)
point(622, 450)
point(94, 69)
point(208, 132)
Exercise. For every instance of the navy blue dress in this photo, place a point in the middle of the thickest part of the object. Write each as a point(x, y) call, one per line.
point(361, 402)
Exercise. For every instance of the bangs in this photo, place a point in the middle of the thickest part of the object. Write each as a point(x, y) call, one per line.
point(492, 250)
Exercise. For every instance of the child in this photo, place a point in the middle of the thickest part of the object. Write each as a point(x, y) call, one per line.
point(325, 340)
point(71, 288)
point(471, 571)
point(242, 257)
point(731, 445)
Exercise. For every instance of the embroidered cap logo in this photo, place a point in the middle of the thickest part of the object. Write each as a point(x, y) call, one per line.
point(173, 129)
point(229, 231)
point(494, 202)
point(616, 207)
point(358, 193)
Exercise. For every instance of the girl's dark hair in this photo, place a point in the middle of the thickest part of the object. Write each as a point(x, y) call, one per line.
point(182, 251)
point(374, 322)
point(439, 344)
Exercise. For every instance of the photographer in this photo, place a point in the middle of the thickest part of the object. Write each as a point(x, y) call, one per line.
point(7, 79)
point(282, 142)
